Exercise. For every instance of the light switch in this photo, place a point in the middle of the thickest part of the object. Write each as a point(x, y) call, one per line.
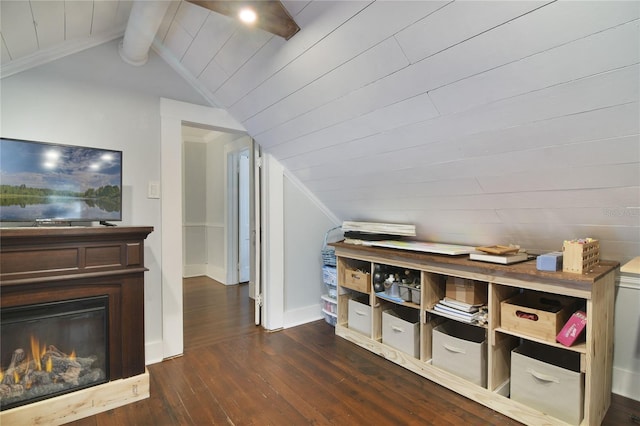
point(154, 190)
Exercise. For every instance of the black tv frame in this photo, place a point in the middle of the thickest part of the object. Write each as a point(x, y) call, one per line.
point(29, 179)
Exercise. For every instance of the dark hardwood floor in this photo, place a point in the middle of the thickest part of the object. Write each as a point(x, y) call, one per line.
point(235, 373)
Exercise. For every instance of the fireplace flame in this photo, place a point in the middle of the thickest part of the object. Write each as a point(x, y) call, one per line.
point(16, 377)
point(49, 365)
point(36, 353)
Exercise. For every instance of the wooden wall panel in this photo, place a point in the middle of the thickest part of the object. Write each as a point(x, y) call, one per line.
point(554, 66)
point(374, 64)
point(613, 88)
point(603, 198)
point(78, 17)
point(456, 22)
point(318, 20)
point(212, 36)
point(17, 30)
point(104, 16)
point(50, 18)
point(345, 42)
point(242, 45)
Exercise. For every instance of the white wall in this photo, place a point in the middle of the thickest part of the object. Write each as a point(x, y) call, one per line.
point(76, 101)
point(216, 203)
point(626, 350)
point(305, 223)
point(195, 208)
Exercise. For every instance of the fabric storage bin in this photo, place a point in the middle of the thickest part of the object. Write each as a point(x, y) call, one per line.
point(461, 349)
point(359, 317)
point(548, 379)
point(401, 330)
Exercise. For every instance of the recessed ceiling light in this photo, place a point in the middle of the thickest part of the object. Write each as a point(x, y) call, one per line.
point(247, 15)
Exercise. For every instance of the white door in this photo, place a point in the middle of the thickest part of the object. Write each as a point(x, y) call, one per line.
point(244, 216)
point(255, 222)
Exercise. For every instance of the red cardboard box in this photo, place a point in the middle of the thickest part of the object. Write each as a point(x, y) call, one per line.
point(572, 329)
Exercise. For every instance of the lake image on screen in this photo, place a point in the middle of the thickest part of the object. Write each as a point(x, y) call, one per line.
point(45, 181)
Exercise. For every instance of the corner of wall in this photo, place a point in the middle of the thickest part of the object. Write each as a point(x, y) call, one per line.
point(303, 315)
point(302, 188)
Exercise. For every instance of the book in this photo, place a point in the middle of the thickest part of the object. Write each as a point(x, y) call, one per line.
point(439, 307)
point(504, 259)
point(461, 306)
point(572, 329)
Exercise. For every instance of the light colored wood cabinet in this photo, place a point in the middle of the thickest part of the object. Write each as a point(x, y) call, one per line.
point(593, 291)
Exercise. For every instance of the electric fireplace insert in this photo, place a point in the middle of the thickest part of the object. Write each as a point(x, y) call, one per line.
point(49, 349)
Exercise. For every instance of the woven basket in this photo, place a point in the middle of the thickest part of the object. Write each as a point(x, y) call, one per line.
point(329, 253)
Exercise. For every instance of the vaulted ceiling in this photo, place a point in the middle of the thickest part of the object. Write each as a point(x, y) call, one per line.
point(481, 122)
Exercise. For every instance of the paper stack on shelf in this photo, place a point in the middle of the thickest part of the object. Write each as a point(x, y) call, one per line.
point(367, 230)
point(473, 314)
point(505, 259)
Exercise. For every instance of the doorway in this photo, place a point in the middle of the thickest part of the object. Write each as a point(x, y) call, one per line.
point(217, 214)
point(174, 115)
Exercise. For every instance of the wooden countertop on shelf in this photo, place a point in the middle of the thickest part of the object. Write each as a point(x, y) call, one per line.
point(516, 270)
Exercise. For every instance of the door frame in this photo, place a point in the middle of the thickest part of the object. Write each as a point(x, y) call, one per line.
point(173, 114)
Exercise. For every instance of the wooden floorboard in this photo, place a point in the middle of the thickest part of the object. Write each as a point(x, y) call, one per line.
point(234, 373)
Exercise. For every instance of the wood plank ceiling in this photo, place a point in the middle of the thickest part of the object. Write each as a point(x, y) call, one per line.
point(481, 122)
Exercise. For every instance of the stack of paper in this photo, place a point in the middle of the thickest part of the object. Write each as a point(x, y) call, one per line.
point(473, 314)
point(379, 228)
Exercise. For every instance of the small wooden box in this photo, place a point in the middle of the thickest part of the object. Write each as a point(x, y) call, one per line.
point(356, 280)
point(536, 314)
point(580, 256)
point(466, 291)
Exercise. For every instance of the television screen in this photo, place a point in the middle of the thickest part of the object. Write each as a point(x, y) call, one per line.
point(51, 182)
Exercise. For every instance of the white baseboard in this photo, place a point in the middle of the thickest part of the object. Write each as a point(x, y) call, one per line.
point(626, 383)
point(302, 315)
point(194, 270)
point(217, 273)
point(153, 352)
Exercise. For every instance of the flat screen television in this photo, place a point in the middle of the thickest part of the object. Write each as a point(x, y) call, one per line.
point(46, 182)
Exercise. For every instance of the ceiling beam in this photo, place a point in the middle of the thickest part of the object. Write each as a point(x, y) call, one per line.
point(272, 15)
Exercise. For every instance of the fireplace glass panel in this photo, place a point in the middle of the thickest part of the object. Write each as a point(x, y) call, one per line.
point(49, 349)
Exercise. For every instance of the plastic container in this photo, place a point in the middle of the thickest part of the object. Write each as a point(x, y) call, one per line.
point(330, 318)
point(329, 304)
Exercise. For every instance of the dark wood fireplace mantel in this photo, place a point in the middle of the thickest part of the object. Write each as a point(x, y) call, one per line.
point(39, 265)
